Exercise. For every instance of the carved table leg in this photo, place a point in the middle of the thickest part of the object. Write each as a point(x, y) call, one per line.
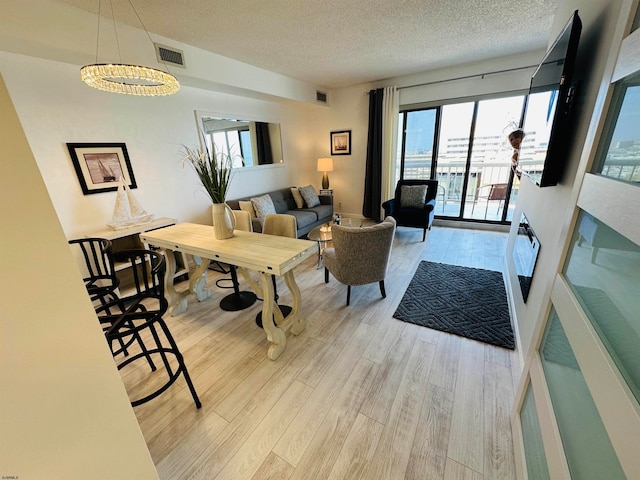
point(197, 284)
point(177, 301)
point(198, 281)
point(297, 324)
point(275, 335)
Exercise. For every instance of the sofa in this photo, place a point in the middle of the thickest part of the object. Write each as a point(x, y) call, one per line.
point(283, 201)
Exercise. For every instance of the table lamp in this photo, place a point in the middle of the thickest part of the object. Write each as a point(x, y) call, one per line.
point(325, 165)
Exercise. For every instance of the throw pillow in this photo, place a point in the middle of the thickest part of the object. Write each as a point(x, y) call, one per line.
point(310, 196)
point(412, 196)
point(263, 205)
point(297, 197)
point(247, 206)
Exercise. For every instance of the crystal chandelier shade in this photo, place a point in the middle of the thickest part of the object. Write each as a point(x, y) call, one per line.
point(127, 79)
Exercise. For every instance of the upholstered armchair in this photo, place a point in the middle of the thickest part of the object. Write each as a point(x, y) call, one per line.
point(360, 254)
point(414, 204)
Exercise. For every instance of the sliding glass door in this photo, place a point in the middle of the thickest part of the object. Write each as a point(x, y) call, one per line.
point(465, 147)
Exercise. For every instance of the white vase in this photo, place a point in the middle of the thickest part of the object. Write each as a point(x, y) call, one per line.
point(224, 221)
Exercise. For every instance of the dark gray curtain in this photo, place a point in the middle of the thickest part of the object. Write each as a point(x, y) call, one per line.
point(373, 176)
point(263, 143)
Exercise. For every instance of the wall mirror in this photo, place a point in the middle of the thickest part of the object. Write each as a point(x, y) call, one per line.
point(525, 254)
point(249, 142)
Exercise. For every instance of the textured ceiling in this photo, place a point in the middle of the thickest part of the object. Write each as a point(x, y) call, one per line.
point(338, 43)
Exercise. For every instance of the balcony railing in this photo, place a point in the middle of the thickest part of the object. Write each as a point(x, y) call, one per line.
point(450, 175)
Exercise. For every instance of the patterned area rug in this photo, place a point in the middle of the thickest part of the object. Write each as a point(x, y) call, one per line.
point(469, 302)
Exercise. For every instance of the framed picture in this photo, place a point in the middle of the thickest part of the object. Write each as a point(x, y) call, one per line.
point(99, 166)
point(341, 142)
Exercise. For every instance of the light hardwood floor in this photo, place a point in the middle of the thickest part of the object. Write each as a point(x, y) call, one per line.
point(358, 395)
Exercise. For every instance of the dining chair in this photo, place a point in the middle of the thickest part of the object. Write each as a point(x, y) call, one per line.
point(282, 225)
point(360, 255)
point(99, 274)
point(137, 320)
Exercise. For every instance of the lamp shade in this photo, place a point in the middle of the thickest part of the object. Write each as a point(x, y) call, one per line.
point(325, 164)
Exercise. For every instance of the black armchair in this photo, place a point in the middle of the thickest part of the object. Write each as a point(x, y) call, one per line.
point(416, 209)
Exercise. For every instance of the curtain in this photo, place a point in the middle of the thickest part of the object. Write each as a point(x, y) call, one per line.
point(390, 112)
point(263, 143)
point(381, 150)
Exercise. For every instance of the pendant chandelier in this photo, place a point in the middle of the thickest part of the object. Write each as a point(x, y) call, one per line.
point(123, 78)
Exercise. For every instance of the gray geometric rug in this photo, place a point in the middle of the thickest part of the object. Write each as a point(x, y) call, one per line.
point(470, 302)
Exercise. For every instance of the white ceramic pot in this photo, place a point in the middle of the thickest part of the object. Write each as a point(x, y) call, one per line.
point(224, 221)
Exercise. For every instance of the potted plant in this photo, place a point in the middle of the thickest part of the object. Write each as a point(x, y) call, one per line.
point(215, 171)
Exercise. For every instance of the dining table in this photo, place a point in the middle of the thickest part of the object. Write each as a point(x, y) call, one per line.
point(268, 255)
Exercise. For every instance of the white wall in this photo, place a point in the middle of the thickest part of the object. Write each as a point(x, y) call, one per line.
point(64, 410)
point(547, 208)
point(154, 130)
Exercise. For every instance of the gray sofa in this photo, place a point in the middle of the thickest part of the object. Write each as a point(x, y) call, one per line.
point(306, 218)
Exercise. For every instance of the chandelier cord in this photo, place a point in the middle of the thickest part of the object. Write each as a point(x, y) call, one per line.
point(98, 29)
point(148, 34)
point(115, 31)
point(127, 78)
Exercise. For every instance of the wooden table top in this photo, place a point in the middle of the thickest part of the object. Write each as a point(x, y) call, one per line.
point(256, 251)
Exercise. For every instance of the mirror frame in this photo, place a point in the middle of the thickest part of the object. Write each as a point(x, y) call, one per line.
point(201, 115)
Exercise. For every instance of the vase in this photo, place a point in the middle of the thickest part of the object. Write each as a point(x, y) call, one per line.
point(224, 221)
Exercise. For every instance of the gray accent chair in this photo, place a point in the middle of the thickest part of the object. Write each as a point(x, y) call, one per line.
point(360, 255)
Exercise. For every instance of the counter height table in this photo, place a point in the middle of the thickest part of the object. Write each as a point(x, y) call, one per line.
point(267, 254)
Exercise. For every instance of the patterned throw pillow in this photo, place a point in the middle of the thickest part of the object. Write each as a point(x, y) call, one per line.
point(247, 206)
point(412, 196)
point(297, 197)
point(263, 205)
point(310, 196)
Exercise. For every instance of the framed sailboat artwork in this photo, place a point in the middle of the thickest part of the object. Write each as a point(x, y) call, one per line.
point(341, 142)
point(100, 166)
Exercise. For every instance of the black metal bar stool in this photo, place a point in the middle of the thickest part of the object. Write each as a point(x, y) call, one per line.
point(139, 316)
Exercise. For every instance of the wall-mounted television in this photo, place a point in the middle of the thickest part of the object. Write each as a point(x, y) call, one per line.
point(547, 121)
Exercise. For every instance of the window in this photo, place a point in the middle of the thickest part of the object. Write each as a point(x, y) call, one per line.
point(417, 141)
point(465, 147)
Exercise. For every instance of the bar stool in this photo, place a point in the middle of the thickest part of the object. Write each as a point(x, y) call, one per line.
point(238, 300)
point(99, 277)
point(139, 317)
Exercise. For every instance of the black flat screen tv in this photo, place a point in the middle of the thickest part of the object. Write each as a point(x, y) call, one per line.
point(547, 120)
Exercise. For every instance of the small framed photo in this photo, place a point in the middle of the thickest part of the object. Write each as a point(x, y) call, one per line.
point(341, 142)
point(99, 166)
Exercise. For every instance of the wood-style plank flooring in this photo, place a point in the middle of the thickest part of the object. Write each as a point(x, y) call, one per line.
point(358, 395)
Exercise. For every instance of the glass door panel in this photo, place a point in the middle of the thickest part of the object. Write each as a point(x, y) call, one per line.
point(453, 150)
point(603, 269)
point(622, 157)
point(532, 437)
point(418, 144)
point(586, 444)
point(489, 172)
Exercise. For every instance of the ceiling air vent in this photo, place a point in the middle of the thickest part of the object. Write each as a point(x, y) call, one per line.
point(321, 97)
point(169, 55)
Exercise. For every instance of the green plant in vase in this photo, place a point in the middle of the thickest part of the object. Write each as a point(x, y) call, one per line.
point(215, 171)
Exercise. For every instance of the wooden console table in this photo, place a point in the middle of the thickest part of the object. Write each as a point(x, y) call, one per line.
point(129, 238)
point(267, 254)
